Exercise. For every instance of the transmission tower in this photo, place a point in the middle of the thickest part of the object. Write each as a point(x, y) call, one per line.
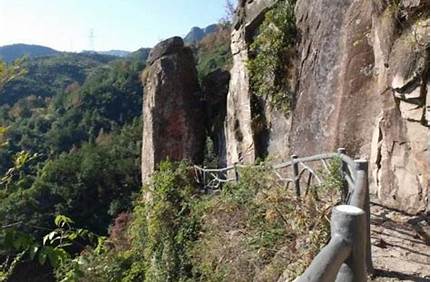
point(91, 38)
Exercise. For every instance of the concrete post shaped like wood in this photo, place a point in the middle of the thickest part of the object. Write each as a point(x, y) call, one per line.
point(350, 222)
point(236, 172)
point(346, 238)
point(344, 171)
point(295, 168)
point(360, 190)
point(361, 199)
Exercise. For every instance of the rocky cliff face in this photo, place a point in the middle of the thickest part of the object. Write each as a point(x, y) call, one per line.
point(400, 144)
point(247, 139)
point(215, 89)
point(196, 34)
point(173, 115)
point(362, 82)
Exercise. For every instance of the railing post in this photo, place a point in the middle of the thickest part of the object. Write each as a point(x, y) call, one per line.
point(361, 199)
point(204, 173)
point(295, 168)
point(354, 268)
point(344, 171)
point(369, 258)
point(236, 172)
point(346, 249)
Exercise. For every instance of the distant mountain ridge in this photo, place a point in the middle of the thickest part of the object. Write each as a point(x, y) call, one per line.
point(115, 53)
point(196, 34)
point(9, 53)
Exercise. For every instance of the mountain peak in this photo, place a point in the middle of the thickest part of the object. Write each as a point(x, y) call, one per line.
point(9, 53)
point(196, 34)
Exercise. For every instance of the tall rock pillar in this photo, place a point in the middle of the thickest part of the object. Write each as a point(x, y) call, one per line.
point(173, 116)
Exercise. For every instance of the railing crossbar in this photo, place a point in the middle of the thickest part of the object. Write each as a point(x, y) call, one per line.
point(355, 195)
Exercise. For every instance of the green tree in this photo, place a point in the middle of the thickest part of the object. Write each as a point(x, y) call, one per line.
point(9, 72)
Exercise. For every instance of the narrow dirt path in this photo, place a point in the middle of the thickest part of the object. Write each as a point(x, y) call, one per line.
point(400, 245)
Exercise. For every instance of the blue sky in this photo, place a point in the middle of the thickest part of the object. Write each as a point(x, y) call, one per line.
point(117, 24)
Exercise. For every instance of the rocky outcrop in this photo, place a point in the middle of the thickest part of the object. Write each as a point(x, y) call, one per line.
point(253, 129)
point(173, 115)
point(362, 83)
point(363, 73)
point(215, 89)
point(400, 143)
point(196, 34)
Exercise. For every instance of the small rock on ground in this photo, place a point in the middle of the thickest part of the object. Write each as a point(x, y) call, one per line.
point(400, 245)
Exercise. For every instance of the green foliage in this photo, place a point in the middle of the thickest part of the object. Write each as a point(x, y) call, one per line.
point(213, 52)
point(252, 230)
point(91, 185)
point(270, 54)
point(333, 178)
point(15, 176)
point(55, 248)
point(49, 76)
point(161, 232)
point(75, 153)
point(167, 224)
point(70, 132)
point(68, 100)
point(256, 230)
point(10, 72)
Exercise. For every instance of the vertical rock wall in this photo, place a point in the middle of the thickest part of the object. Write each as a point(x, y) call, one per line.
point(335, 102)
point(173, 115)
point(246, 137)
point(215, 88)
point(400, 144)
point(363, 84)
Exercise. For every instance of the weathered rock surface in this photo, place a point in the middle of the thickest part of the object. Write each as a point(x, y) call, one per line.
point(215, 89)
point(246, 137)
point(364, 69)
point(196, 34)
point(173, 115)
point(362, 83)
point(166, 47)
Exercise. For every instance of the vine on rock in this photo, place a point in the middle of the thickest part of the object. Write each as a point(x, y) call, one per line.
point(270, 55)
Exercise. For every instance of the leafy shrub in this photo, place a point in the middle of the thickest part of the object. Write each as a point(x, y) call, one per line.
point(253, 230)
point(165, 224)
point(257, 230)
point(270, 54)
point(161, 231)
point(213, 52)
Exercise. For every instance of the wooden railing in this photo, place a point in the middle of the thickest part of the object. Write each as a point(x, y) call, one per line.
point(347, 257)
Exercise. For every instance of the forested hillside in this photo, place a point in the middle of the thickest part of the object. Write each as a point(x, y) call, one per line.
point(12, 52)
point(71, 141)
point(71, 136)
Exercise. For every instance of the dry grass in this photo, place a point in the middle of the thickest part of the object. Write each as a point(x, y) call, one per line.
point(257, 231)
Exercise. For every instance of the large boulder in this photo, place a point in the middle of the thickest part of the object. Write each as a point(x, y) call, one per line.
point(173, 114)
